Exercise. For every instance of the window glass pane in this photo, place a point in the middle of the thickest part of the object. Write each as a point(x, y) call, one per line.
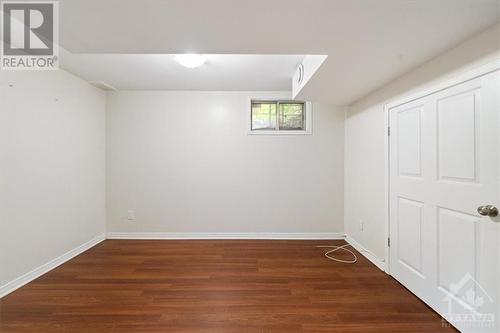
point(263, 116)
point(292, 116)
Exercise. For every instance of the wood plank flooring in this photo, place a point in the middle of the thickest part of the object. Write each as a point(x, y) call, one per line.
point(214, 286)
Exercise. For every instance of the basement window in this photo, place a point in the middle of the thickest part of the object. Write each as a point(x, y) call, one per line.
point(279, 117)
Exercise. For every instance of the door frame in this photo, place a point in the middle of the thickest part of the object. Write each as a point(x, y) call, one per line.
point(468, 75)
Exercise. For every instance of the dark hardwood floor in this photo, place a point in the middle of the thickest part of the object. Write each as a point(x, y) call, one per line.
point(214, 286)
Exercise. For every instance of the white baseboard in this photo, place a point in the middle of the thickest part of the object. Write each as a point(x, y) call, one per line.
point(380, 263)
point(216, 235)
point(39, 271)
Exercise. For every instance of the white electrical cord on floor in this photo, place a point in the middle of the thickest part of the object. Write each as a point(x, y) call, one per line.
point(335, 248)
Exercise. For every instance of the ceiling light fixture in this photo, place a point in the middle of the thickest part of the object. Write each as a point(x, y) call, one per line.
point(190, 60)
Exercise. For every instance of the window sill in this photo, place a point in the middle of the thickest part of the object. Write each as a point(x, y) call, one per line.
point(279, 133)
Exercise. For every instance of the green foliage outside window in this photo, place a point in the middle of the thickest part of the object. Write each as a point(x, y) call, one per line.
point(276, 115)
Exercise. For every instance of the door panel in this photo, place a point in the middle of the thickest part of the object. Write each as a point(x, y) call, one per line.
point(410, 217)
point(444, 151)
point(457, 121)
point(455, 228)
point(409, 143)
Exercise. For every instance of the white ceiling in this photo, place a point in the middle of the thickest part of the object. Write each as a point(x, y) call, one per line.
point(368, 42)
point(163, 72)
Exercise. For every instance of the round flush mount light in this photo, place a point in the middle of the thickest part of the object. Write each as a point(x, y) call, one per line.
point(190, 60)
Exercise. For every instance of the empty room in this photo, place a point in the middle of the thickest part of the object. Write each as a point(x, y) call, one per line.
point(258, 166)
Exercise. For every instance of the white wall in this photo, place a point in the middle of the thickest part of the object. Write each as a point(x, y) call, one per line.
point(184, 163)
point(365, 135)
point(52, 168)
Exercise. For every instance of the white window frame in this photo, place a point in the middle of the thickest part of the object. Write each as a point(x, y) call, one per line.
point(308, 118)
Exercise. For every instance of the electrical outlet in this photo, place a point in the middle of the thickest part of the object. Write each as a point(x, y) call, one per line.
point(130, 215)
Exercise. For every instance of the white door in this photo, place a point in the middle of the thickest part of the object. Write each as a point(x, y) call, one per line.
point(444, 164)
